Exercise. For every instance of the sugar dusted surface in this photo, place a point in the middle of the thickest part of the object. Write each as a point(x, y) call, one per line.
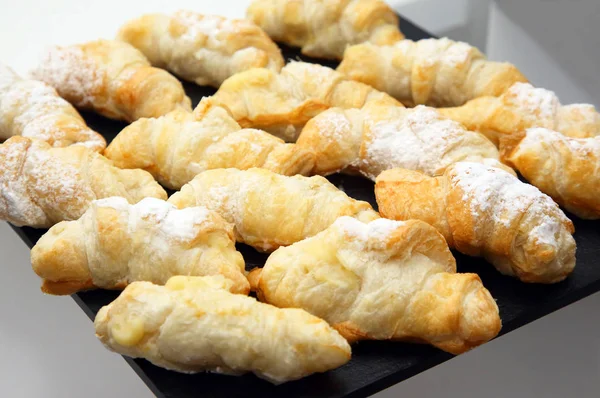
point(538, 135)
point(496, 192)
point(534, 101)
point(333, 125)
point(416, 142)
point(70, 71)
point(377, 230)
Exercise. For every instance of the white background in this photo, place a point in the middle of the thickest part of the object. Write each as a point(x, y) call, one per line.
point(47, 344)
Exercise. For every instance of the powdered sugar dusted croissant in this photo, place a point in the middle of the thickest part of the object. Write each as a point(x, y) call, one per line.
point(381, 137)
point(114, 244)
point(194, 324)
point(282, 103)
point(41, 185)
point(267, 209)
point(382, 280)
point(323, 28)
point(205, 49)
point(176, 147)
point(524, 106)
point(436, 72)
point(33, 109)
point(112, 78)
point(567, 169)
point(484, 211)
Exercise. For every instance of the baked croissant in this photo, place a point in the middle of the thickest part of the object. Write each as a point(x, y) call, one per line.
point(41, 185)
point(383, 280)
point(323, 28)
point(114, 244)
point(523, 107)
point(194, 324)
point(282, 103)
point(567, 169)
point(436, 72)
point(112, 78)
point(267, 209)
point(377, 138)
point(174, 148)
point(485, 211)
point(33, 109)
point(205, 49)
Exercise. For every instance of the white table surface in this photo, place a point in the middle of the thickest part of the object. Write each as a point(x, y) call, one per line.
point(47, 344)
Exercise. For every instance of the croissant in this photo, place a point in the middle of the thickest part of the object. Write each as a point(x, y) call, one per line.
point(379, 281)
point(114, 244)
point(567, 169)
point(267, 209)
point(33, 109)
point(282, 103)
point(435, 72)
point(174, 148)
point(377, 138)
point(523, 107)
point(112, 78)
point(205, 49)
point(41, 185)
point(194, 324)
point(323, 28)
point(485, 211)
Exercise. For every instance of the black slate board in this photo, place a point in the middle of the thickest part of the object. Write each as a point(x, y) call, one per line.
point(374, 365)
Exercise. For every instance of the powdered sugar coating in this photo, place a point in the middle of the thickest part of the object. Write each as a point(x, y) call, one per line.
point(333, 125)
point(69, 70)
point(417, 141)
point(535, 136)
point(501, 195)
point(535, 102)
point(184, 224)
point(376, 232)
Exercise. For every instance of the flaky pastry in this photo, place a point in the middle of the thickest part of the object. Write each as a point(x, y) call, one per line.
point(436, 72)
point(270, 210)
point(114, 244)
point(567, 169)
point(194, 324)
point(41, 185)
point(381, 137)
point(382, 280)
point(323, 28)
point(282, 103)
point(33, 109)
point(485, 211)
point(112, 78)
point(176, 147)
point(524, 106)
point(205, 49)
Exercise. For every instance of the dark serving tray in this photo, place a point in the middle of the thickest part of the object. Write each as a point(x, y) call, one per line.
point(374, 365)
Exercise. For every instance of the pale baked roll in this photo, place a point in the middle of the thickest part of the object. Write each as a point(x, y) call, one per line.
point(435, 72)
point(194, 324)
point(205, 49)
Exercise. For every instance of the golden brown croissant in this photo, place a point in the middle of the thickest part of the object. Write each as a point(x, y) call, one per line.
point(379, 281)
point(381, 137)
point(33, 109)
point(436, 72)
point(194, 324)
point(205, 49)
point(114, 244)
point(323, 28)
point(282, 103)
point(174, 148)
point(41, 185)
point(112, 78)
point(523, 107)
point(567, 169)
point(267, 209)
point(485, 211)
